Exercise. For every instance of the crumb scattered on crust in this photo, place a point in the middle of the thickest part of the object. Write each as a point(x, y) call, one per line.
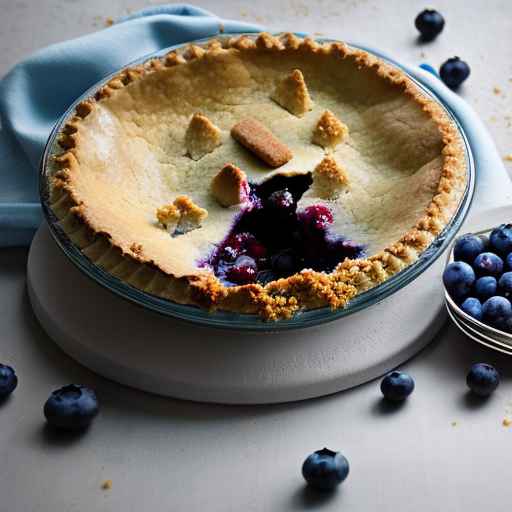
point(191, 215)
point(329, 178)
point(329, 131)
point(168, 216)
point(106, 485)
point(292, 94)
point(181, 216)
point(201, 137)
point(230, 186)
point(262, 142)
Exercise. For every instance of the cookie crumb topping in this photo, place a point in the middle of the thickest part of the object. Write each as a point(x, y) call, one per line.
point(329, 131)
point(202, 137)
point(230, 186)
point(329, 178)
point(292, 94)
point(262, 142)
point(181, 216)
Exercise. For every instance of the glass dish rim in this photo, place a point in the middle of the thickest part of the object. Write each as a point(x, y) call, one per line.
point(252, 322)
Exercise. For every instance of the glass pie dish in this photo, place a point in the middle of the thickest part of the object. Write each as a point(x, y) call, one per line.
point(238, 321)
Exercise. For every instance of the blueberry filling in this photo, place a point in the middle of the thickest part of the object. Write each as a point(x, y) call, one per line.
point(272, 239)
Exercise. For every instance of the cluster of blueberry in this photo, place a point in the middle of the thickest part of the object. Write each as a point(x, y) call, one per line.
point(480, 278)
point(454, 71)
point(325, 469)
point(271, 239)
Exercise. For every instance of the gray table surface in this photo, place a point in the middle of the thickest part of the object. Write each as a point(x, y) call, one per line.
point(440, 451)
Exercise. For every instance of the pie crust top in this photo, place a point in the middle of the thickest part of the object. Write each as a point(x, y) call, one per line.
point(155, 151)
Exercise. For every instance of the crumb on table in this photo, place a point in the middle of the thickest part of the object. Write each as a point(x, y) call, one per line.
point(109, 22)
point(496, 90)
point(454, 423)
point(508, 157)
point(106, 485)
point(507, 422)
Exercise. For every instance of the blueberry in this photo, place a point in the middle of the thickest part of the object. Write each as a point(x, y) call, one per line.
point(282, 202)
point(72, 407)
point(509, 260)
point(265, 276)
point(472, 307)
point(315, 219)
point(430, 24)
point(488, 264)
point(8, 381)
point(458, 278)
point(243, 271)
point(483, 379)
point(429, 68)
point(505, 284)
point(325, 470)
point(501, 239)
point(284, 262)
point(486, 287)
point(397, 386)
point(467, 248)
point(453, 72)
point(496, 311)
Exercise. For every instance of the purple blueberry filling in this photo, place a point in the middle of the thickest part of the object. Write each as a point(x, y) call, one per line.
point(271, 239)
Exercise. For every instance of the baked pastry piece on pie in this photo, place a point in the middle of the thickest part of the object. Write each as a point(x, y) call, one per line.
point(258, 174)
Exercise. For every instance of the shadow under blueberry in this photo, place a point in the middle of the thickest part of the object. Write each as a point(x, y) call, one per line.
point(470, 400)
point(306, 497)
point(58, 437)
point(383, 407)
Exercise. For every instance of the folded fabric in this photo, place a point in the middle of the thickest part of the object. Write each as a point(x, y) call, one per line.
point(36, 92)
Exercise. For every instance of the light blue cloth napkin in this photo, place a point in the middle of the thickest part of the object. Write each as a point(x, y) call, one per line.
point(36, 92)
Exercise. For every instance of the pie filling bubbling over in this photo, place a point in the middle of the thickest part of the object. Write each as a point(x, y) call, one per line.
point(270, 239)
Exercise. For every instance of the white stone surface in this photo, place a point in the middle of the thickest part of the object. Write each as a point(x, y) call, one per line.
point(440, 451)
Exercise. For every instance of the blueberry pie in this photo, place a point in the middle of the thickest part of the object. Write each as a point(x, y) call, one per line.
point(257, 174)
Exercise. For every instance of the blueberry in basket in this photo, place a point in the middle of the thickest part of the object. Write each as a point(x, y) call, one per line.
point(480, 278)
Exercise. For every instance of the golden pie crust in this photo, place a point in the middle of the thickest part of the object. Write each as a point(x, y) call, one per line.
point(123, 156)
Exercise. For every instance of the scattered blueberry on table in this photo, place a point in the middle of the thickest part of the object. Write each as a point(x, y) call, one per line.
point(483, 379)
point(397, 386)
point(325, 469)
point(454, 72)
point(430, 24)
point(71, 407)
point(8, 381)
